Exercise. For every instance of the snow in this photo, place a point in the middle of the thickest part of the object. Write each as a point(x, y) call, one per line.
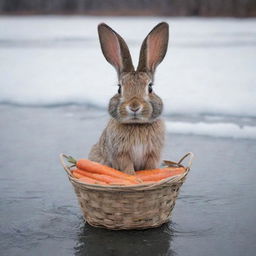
point(209, 68)
point(227, 130)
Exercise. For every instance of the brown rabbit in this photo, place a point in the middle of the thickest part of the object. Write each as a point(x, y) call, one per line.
point(134, 137)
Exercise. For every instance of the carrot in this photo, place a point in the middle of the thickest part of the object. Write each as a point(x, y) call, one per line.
point(86, 179)
point(76, 174)
point(159, 174)
point(92, 181)
point(105, 178)
point(158, 170)
point(95, 167)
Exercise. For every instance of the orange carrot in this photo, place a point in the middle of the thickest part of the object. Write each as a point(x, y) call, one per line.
point(158, 170)
point(92, 181)
point(86, 179)
point(94, 167)
point(159, 174)
point(76, 174)
point(105, 178)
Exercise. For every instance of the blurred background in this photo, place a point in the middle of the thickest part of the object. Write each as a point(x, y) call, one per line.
point(55, 86)
point(237, 8)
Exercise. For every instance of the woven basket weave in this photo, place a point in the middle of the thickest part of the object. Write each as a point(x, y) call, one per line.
point(128, 207)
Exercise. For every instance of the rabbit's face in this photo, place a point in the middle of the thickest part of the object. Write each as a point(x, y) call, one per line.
point(136, 101)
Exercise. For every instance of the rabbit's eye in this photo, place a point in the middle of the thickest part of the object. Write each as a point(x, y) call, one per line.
point(119, 89)
point(150, 89)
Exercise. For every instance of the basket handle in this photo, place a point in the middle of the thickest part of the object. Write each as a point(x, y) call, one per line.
point(178, 164)
point(62, 160)
point(191, 156)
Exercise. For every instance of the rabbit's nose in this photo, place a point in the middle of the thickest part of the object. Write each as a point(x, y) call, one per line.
point(134, 108)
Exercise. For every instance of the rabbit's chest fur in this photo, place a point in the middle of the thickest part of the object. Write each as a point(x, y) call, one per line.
point(138, 155)
point(138, 141)
point(130, 147)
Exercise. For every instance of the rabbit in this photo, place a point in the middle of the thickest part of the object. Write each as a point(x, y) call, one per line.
point(134, 137)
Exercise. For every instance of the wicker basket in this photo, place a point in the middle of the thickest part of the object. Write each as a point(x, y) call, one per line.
point(129, 207)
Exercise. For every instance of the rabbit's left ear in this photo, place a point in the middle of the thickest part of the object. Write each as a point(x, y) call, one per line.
point(154, 48)
point(115, 49)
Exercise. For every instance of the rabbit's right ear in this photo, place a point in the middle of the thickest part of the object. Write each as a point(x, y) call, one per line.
point(154, 48)
point(115, 49)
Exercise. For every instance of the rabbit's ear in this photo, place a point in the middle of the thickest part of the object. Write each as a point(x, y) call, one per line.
point(115, 49)
point(154, 48)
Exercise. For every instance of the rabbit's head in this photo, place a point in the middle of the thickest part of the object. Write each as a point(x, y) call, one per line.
point(135, 101)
